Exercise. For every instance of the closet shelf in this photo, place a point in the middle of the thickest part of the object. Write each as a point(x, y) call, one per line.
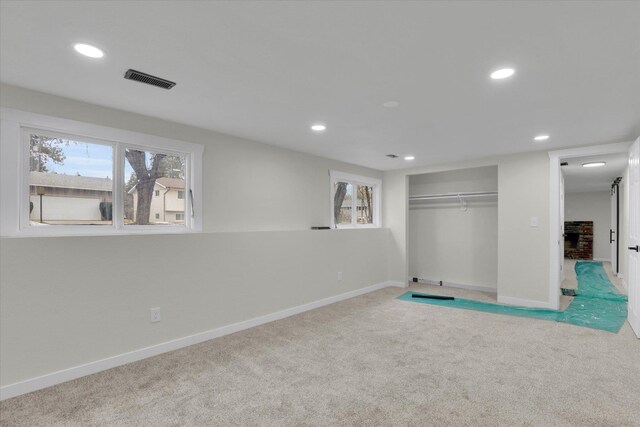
point(461, 197)
point(453, 195)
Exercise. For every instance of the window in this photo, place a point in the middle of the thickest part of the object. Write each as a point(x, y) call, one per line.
point(82, 179)
point(157, 169)
point(355, 200)
point(70, 181)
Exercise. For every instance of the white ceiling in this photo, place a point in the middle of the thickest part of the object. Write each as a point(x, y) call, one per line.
point(579, 179)
point(268, 70)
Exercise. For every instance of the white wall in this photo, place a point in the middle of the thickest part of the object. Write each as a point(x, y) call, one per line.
point(67, 301)
point(523, 250)
point(592, 206)
point(447, 243)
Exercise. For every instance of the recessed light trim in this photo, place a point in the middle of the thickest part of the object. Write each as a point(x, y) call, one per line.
point(409, 157)
point(502, 73)
point(318, 127)
point(541, 138)
point(593, 164)
point(88, 50)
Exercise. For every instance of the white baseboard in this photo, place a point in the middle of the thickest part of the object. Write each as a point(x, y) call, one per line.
point(457, 285)
point(48, 380)
point(624, 285)
point(524, 302)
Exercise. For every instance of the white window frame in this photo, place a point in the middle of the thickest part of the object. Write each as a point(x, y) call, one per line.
point(16, 125)
point(354, 180)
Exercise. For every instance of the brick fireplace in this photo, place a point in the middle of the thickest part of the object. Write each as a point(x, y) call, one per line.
point(578, 240)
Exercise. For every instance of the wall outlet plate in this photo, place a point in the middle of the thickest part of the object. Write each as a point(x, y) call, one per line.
point(155, 314)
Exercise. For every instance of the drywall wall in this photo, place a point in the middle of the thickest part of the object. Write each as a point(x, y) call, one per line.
point(592, 206)
point(248, 186)
point(447, 243)
point(523, 248)
point(67, 301)
point(72, 300)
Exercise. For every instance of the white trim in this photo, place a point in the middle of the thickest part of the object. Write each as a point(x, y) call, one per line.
point(554, 207)
point(602, 259)
point(69, 374)
point(457, 285)
point(623, 283)
point(520, 302)
point(14, 214)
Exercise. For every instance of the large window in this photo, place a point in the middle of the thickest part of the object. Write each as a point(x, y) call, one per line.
point(111, 182)
point(355, 200)
point(70, 180)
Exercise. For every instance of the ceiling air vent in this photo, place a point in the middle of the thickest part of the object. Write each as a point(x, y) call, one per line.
point(148, 79)
point(392, 156)
point(564, 164)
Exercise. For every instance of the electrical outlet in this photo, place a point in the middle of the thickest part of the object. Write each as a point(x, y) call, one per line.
point(155, 315)
point(339, 276)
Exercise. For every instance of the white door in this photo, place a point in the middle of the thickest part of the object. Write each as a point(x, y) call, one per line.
point(634, 237)
point(561, 227)
point(613, 231)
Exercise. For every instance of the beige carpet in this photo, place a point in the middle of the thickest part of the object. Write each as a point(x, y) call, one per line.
point(371, 360)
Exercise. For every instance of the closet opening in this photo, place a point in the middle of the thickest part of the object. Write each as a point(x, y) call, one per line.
point(453, 232)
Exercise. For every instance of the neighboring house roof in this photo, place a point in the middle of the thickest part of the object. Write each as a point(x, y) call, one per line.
point(48, 179)
point(170, 183)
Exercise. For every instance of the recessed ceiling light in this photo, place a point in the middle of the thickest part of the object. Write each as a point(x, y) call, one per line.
point(391, 104)
point(88, 50)
point(503, 73)
point(409, 157)
point(318, 127)
point(593, 164)
point(541, 138)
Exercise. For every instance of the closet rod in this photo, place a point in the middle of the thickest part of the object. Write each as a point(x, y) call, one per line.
point(453, 195)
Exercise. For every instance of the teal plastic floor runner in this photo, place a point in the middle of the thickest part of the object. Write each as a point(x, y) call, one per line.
point(597, 304)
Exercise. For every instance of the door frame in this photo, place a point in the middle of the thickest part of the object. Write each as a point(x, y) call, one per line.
point(555, 240)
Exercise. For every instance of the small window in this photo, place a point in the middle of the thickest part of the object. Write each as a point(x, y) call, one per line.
point(355, 200)
point(156, 168)
point(179, 217)
point(180, 194)
point(157, 216)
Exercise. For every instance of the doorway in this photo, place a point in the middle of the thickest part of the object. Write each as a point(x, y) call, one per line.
point(581, 198)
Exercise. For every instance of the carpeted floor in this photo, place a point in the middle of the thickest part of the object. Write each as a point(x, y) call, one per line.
point(371, 360)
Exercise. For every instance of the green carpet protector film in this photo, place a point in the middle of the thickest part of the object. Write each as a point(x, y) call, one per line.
point(597, 304)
